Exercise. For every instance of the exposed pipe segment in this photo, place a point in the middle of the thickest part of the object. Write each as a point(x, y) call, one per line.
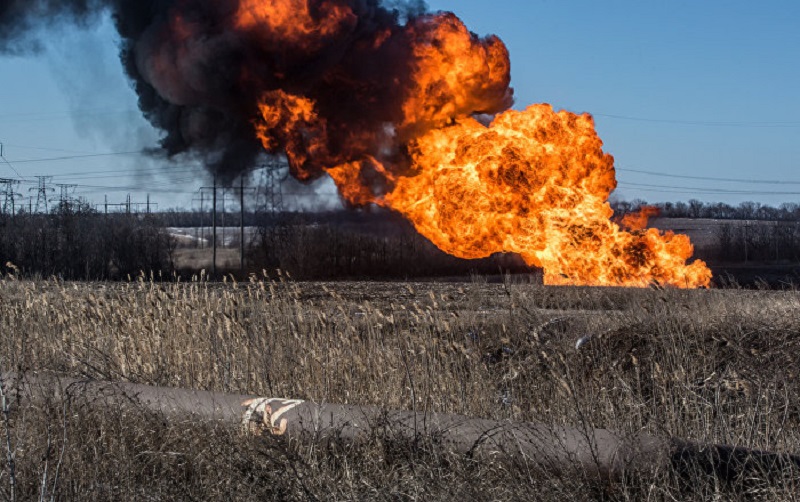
point(596, 453)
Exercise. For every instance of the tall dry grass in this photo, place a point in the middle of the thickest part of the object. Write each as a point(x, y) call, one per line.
point(718, 366)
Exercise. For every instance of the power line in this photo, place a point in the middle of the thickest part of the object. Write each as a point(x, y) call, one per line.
point(166, 187)
point(709, 178)
point(685, 192)
point(181, 168)
point(48, 149)
point(173, 176)
point(9, 163)
point(706, 123)
point(85, 111)
point(149, 188)
point(70, 157)
point(170, 168)
point(169, 181)
point(40, 117)
point(719, 191)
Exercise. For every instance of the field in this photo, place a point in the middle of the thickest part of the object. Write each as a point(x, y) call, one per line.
point(717, 366)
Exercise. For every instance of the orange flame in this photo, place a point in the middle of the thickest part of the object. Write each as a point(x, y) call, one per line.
point(454, 73)
point(533, 182)
point(638, 220)
point(536, 183)
point(297, 116)
point(295, 22)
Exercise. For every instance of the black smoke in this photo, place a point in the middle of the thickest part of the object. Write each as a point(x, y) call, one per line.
point(199, 80)
point(21, 21)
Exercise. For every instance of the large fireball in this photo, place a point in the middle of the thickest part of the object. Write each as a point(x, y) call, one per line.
point(535, 182)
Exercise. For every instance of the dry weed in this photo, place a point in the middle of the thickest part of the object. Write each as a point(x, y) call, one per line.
point(717, 366)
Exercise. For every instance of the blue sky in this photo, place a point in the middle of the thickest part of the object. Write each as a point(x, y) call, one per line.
point(680, 90)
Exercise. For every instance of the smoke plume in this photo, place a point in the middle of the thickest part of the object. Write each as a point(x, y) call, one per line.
point(207, 71)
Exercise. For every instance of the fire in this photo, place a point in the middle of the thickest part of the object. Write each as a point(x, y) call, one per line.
point(454, 73)
point(402, 107)
point(295, 120)
point(296, 22)
point(533, 182)
point(536, 183)
point(638, 220)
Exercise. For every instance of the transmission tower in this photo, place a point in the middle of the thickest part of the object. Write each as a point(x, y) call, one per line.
point(10, 195)
point(272, 177)
point(41, 193)
point(65, 199)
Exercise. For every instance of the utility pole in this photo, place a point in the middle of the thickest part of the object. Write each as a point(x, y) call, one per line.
point(148, 206)
point(128, 206)
point(214, 203)
point(198, 220)
point(106, 205)
point(241, 224)
point(223, 217)
point(213, 189)
point(746, 224)
point(202, 221)
point(242, 189)
point(214, 229)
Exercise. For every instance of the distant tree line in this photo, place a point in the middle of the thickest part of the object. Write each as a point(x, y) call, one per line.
point(361, 244)
point(774, 241)
point(788, 211)
point(749, 241)
point(755, 232)
point(231, 218)
point(694, 208)
point(74, 241)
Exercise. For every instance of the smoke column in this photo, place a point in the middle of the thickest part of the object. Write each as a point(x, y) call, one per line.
point(204, 69)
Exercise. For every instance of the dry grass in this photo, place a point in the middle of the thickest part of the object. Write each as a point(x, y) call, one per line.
point(198, 259)
point(718, 366)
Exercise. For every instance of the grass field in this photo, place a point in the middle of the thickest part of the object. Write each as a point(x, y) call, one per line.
point(711, 365)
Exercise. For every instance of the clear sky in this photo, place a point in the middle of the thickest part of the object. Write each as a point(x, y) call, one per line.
point(686, 95)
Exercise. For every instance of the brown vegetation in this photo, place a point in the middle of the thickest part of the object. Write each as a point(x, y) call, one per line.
point(715, 366)
point(375, 245)
point(196, 259)
point(76, 242)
